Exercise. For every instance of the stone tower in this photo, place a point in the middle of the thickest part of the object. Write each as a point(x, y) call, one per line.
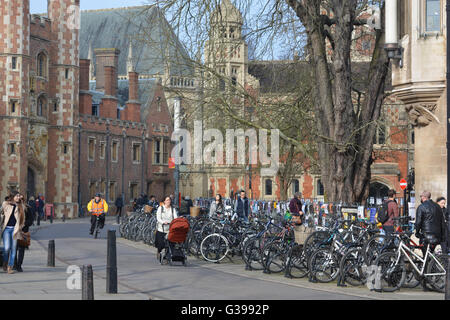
point(14, 101)
point(226, 50)
point(63, 144)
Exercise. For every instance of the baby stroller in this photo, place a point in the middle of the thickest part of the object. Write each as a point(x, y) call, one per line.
point(175, 248)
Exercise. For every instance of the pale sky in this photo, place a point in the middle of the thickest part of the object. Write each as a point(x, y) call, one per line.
point(40, 6)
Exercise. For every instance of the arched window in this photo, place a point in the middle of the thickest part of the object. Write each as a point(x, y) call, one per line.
point(320, 188)
point(268, 187)
point(42, 65)
point(41, 106)
point(295, 186)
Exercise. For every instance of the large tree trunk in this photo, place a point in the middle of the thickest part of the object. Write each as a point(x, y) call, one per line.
point(345, 149)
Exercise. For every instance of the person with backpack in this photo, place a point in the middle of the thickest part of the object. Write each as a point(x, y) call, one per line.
point(388, 211)
point(164, 216)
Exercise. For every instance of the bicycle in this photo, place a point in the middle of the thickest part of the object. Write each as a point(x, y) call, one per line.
point(97, 227)
point(392, 268)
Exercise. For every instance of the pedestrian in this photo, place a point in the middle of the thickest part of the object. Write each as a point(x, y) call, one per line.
point(217, 207)
point(190, 204)
point(98, 207)
point(441, 201)
point(119, 206)
point(183, 206)
point(429, 223)
point(164, 216)
point(25, 242)
point(32, 208)
point(153, 203)
point(40, 208)
point(295, 208)
point(242, 206)
point(13, 222)
point(392, 212)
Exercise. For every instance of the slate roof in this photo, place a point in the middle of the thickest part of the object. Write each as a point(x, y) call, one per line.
point(146, 93)
point(148, 31)
point(286, 76)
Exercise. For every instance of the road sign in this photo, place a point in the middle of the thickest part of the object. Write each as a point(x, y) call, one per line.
point(403, 184)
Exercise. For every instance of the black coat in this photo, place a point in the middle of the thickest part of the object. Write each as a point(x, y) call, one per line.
point(29, 218)
point(119, 202)
point(430, 221)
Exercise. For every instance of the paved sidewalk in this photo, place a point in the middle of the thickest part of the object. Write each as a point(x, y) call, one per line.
point(39, 282)
point(141, 278)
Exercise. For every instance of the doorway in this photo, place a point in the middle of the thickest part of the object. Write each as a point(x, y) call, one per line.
point(31, 183)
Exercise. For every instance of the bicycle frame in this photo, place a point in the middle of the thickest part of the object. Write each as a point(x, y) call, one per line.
point(406, 251)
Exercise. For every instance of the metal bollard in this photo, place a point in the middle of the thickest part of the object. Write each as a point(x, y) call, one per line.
point(111, 264)
point(87, 283)
point(51, 253)
point(447, 280)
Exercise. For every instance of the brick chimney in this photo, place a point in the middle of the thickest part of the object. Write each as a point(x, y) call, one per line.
point(105, 58)
point(108, 107)
point(85, 95)
point(133, 109)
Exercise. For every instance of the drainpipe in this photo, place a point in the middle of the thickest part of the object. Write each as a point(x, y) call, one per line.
point(80, 210)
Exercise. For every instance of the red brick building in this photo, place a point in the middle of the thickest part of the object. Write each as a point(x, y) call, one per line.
point(62, 140)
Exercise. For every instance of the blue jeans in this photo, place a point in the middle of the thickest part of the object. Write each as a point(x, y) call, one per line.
point(10, 246)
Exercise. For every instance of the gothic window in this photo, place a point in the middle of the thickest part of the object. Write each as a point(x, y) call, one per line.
point(95, 108)
point(14, 63)
point(320, 188)
point(41, 106)
point(380, 134)
point(102, 149)
point(115, 151)
point(295, 186)
point(157, 152)
point(91, 149)
point(136, 153)
point(42, 65)
point(268, 187)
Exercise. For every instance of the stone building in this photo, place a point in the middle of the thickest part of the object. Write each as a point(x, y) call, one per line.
point(55, 129)
point(420, 83)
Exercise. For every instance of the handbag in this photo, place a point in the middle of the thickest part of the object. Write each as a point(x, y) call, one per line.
point(26, 240)
point(301, 233)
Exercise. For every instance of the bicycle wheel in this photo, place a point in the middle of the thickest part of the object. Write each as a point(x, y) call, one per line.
point(324, 265)
point(214, 247)
point(274, 257)
point(438, 271)
point(373, 248)
point(391, 275)
point(313, 241)
point(251, 254)
point(351, 267)
point(296, 264)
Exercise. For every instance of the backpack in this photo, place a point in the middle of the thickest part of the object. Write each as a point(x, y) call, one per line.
point(382, 216)
point(178, 230)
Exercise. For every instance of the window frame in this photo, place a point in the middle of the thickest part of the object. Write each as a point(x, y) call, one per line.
point(115, 155)
point(93, 140)
point(424, 19)
point(137, 145)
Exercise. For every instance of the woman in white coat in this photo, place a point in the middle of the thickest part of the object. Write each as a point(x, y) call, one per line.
point(164, 216)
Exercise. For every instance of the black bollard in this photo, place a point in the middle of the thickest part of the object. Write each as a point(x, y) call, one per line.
point(87, 283)
point(51, 253)
point(447, 280)
point(111, 266)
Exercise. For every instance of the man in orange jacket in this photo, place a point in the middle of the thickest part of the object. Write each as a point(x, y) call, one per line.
point(97, 207)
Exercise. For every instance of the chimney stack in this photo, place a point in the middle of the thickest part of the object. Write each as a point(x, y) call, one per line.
point(133, 109)
point(106, 58)
point(85, 100)
point(84, 74)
